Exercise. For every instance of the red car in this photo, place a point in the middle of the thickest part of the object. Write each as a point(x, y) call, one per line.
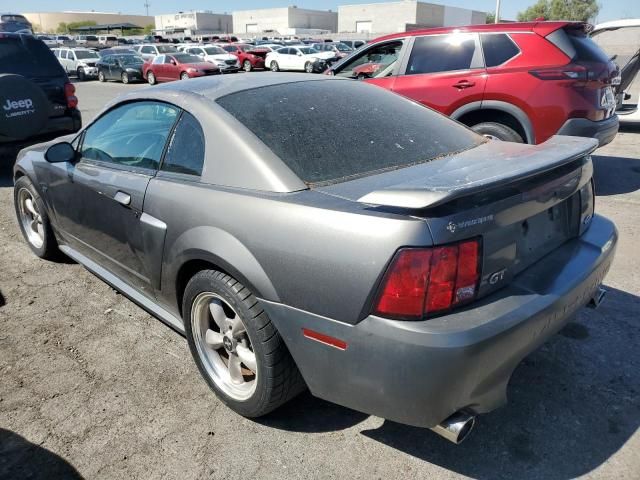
point(177, 66)
point(250, 57)
point(521, 82)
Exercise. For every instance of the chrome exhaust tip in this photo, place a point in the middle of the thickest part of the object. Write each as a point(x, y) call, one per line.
point(456, 428)
point(597, 298)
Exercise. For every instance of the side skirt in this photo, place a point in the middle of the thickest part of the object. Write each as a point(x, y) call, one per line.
point(124, 288)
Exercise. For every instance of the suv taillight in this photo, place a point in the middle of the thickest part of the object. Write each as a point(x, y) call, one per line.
point(70, 94)
point(425, 281)
point(571, 71)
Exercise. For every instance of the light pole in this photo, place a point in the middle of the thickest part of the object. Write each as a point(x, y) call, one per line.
point(497, 15)
point(147, 5)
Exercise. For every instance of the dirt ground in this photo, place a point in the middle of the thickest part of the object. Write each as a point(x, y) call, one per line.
point(92, 386)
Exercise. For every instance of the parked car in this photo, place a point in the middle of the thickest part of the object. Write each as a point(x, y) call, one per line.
point(355, 44)
point(339, 49)
point(87, 40)
point(372, 265)
point(50, 42)
point(38, 101)
point(118, 51)
point(15, 23)
point(80, 62)
point(249, 56)
point(624, 49)
point(108, 40)
point(177, 66)
point(150, 51)
point(225, 62)
point(304, 59)
point(125, 68)
point(64, 41)
point(521, 82)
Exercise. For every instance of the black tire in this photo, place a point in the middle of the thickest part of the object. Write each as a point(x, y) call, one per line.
point(497, 131)
point(279, 379)
point(274, 67)
point(125, 78)
point(80, 73)
point(308, 67)
point(101, 76)
point(49, 248)
point(246, 66)
point(151, 78)
point(184, 76)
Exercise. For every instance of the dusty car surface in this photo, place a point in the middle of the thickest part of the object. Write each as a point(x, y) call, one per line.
point(403, 268)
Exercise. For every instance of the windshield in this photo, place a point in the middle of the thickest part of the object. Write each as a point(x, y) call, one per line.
point(92, 38)
point(82, 54)
point(363, 130)
point(343, 48)
point(186, 58)
point(166, 48)
point(308, 50)
point(214, 50)
point(130, 60)
point(62, 37)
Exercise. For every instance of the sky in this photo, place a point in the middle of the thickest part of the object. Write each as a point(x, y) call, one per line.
point(609, 9)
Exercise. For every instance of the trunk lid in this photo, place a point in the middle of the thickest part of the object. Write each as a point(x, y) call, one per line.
point(522, 200)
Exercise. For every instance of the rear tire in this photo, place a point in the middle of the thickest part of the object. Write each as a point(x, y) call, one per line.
point(125, 78)
point(33, 219)
point(276, 379)
point(151, 78)
point(497, 131)
point(81, 75)
point(246, 65)
point(274, 66)
point(101, 76)
point(184, 76)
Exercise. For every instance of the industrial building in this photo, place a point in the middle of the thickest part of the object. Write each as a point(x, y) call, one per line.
point(285, 21)
point(193, 24)
point(49, 21)
point(403, 15)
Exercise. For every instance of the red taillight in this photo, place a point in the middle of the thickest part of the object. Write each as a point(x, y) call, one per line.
point(423, 281)
point(565, 72)
point(70, 94)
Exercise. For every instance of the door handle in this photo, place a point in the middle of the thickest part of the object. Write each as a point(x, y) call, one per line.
point(463, 84)
point(122, 198)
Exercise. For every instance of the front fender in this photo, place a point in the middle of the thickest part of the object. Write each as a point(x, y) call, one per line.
point(219, 247)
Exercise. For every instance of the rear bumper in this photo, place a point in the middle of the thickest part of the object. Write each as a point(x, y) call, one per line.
point(604, 131)
point(419, 373)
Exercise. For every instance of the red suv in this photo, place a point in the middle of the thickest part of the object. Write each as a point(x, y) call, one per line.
point(521, 82)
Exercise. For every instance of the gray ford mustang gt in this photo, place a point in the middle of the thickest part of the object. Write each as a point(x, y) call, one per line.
point(315, 232)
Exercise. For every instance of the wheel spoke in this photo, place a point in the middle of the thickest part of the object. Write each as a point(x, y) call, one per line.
point(28, 203)
point(235, 370)
point(214, 339)
point(237, 327)
point(217, 312)
point(247, 357)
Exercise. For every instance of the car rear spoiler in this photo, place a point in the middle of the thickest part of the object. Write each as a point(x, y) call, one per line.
point(483, 168)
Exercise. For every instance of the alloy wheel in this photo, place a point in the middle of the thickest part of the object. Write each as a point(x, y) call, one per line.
point(247, 66)
point(125, 78)
point(30, 218)
point(224, 346)
point(184, 76)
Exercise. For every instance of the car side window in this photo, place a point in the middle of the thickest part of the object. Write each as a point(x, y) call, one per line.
point(147, 50)
point(185, 153)
point(158, 59)
point(498, 48)
point(168, 59)
point(132, 135)
point(72, 55)
point(443, 53)
point(375, 62)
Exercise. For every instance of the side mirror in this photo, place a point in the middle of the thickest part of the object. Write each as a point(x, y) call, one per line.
point(299, 54)
point(173, 62)
point(60, 152)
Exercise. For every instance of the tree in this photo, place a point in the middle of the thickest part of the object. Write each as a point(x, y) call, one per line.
point(580, 10)
point(62, 28)
point(83, 23)
point(491, 17)
point(148, 30)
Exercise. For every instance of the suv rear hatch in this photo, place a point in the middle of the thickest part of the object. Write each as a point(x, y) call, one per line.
point(594, 75)
point(522, 201)
point(27, 56)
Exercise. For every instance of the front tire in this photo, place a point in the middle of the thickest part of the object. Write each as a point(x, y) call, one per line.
point(151, 78)
point(308, 67)
point(246, 66)
point(497, 131)
point(33, 219)
point(274, 67)
point(184, 76)
point(81, 75)
point(237, 349)
point(101, 76)
point(125, 78)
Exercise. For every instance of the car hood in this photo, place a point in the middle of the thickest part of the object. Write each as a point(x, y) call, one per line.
point(199, 65)
point(221, 57)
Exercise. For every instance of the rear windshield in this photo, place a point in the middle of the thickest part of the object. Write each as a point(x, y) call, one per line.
point(332, 130)
point(166, 49)
point(26, 55)
point(576, 45)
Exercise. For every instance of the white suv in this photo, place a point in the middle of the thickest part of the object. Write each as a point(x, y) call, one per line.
point(78, 61)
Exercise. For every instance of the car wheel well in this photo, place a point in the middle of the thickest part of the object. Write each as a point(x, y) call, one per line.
point(491, 115)
point(187, 271)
